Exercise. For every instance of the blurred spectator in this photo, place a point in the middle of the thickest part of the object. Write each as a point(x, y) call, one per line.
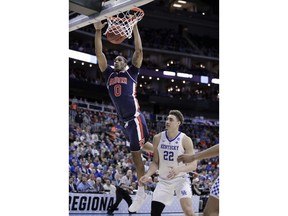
point(99, 186)
point(108, 187)
point(92, 180)
point(84, 186)
point(195, 189)
point(79, 118)
point(72, 185)
point(152, 184)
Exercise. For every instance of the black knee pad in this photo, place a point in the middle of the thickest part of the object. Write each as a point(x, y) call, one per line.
point(157, 208)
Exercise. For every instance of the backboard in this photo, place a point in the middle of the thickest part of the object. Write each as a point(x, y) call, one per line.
point(109, 8)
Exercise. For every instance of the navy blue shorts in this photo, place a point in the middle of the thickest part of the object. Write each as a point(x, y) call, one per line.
point(136, 132)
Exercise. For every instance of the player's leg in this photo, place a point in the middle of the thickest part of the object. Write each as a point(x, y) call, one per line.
point(148, 146)
point(138, 134)
point(157, 208)
point(184, 194)
point(212, 207)
point(186, 204)
point(140, 170)
point(162, 196)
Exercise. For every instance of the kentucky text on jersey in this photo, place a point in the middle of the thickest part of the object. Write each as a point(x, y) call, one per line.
point(115, 80)
point(169, 147)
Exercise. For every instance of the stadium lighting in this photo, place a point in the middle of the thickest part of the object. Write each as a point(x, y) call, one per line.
point(169, 73)
point(204, 79)
point(156, 69)
point(182, 2)
point(157, 78)
point(184, 75)
point(215, 81)
point(82, 56)
point(177, 5)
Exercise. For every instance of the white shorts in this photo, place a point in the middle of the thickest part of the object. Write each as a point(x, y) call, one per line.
point(165, 190)
point(215, 189)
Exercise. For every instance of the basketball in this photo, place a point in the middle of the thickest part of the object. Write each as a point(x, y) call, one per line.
point(114, 36)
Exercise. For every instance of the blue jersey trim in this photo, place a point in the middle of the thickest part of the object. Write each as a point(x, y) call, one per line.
point(173, 138)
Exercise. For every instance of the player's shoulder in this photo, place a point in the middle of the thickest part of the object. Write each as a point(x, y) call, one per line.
point(132, 66)
point(186, 138)
point(133, 69)
point(157, 136)
point(109, 69)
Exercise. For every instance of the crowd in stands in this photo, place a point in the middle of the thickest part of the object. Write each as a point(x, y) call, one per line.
point(188, 91)
point(99, 154)
point(164, 39)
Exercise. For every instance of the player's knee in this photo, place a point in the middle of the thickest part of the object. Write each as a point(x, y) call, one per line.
point(188, 210)
point(156, 208)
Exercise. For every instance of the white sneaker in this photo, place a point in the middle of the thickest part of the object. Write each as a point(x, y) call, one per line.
point(137, 202)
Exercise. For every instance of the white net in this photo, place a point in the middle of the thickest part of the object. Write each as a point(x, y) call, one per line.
point(124, 22)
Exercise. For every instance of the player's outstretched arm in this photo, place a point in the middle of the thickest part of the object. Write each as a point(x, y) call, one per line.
point(188, 149)
point(210, 152)
point(102, 61)
point(138, 53)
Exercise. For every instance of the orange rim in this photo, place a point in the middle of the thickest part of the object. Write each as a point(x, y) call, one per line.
point(130, 18)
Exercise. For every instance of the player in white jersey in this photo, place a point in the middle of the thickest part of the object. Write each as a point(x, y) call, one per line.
point(173, 178)
point(212, 206)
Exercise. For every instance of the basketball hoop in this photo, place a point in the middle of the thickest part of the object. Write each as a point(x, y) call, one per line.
point(123, 23)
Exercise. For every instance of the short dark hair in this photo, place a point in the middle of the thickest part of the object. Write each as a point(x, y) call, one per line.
point(124, 59)
point(178, 115)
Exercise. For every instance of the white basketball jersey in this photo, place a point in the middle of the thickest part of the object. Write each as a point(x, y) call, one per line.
point(168, 151)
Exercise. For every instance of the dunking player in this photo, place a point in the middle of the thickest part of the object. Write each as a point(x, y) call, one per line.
point(121, 84)
point(212, 206)
point(172, 175)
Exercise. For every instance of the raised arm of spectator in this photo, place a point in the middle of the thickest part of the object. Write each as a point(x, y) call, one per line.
point(138, 53)
point(210, 152)
point(102, 61)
